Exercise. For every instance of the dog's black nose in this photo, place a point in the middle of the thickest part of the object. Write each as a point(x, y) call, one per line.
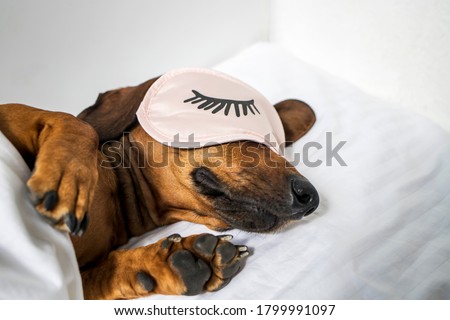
point(305, 197)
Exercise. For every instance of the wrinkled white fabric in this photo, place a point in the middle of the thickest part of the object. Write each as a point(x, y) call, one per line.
point(36, 261)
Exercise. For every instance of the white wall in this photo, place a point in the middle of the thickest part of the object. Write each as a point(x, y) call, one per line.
point(59, 54)
point(398, 50)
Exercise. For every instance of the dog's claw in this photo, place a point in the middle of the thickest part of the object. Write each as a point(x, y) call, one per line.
point(75, 226)
point(226, 237)
point(244, 254)
point(70, 221)
point(242, 251)
point(50, 200)
point(83, 225)
point(174, 237)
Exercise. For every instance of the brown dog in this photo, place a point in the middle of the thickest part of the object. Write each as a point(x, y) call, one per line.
point(124, 198)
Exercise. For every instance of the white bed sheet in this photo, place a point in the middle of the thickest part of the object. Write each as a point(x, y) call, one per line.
point(36, 261)
point(382, 230)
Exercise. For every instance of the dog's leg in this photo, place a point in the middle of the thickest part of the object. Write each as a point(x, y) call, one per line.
point(62, 152)
point(173, 266)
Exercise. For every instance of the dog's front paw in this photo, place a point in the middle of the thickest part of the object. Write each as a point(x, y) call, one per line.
point(64, 178)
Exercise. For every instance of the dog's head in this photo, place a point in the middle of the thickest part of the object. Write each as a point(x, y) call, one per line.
point(240, 184)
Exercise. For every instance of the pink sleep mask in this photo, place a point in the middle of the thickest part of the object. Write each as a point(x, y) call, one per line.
point(190, 108)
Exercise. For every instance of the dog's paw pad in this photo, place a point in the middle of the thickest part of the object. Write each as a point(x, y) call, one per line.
point(194, 272)
point(226, 251)
point(232, 269)
point(205, 245)
point(227, 262)
point(146, 281)
point(222, 285)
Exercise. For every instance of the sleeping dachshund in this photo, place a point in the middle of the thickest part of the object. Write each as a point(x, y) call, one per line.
point(103, 169)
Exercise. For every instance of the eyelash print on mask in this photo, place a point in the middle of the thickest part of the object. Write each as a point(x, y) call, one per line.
point(208, 103)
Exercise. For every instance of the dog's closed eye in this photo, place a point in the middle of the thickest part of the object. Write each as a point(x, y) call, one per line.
point(207, 182)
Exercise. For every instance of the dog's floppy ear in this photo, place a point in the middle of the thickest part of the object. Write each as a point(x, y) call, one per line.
point(115, 110)
point(297, 118)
